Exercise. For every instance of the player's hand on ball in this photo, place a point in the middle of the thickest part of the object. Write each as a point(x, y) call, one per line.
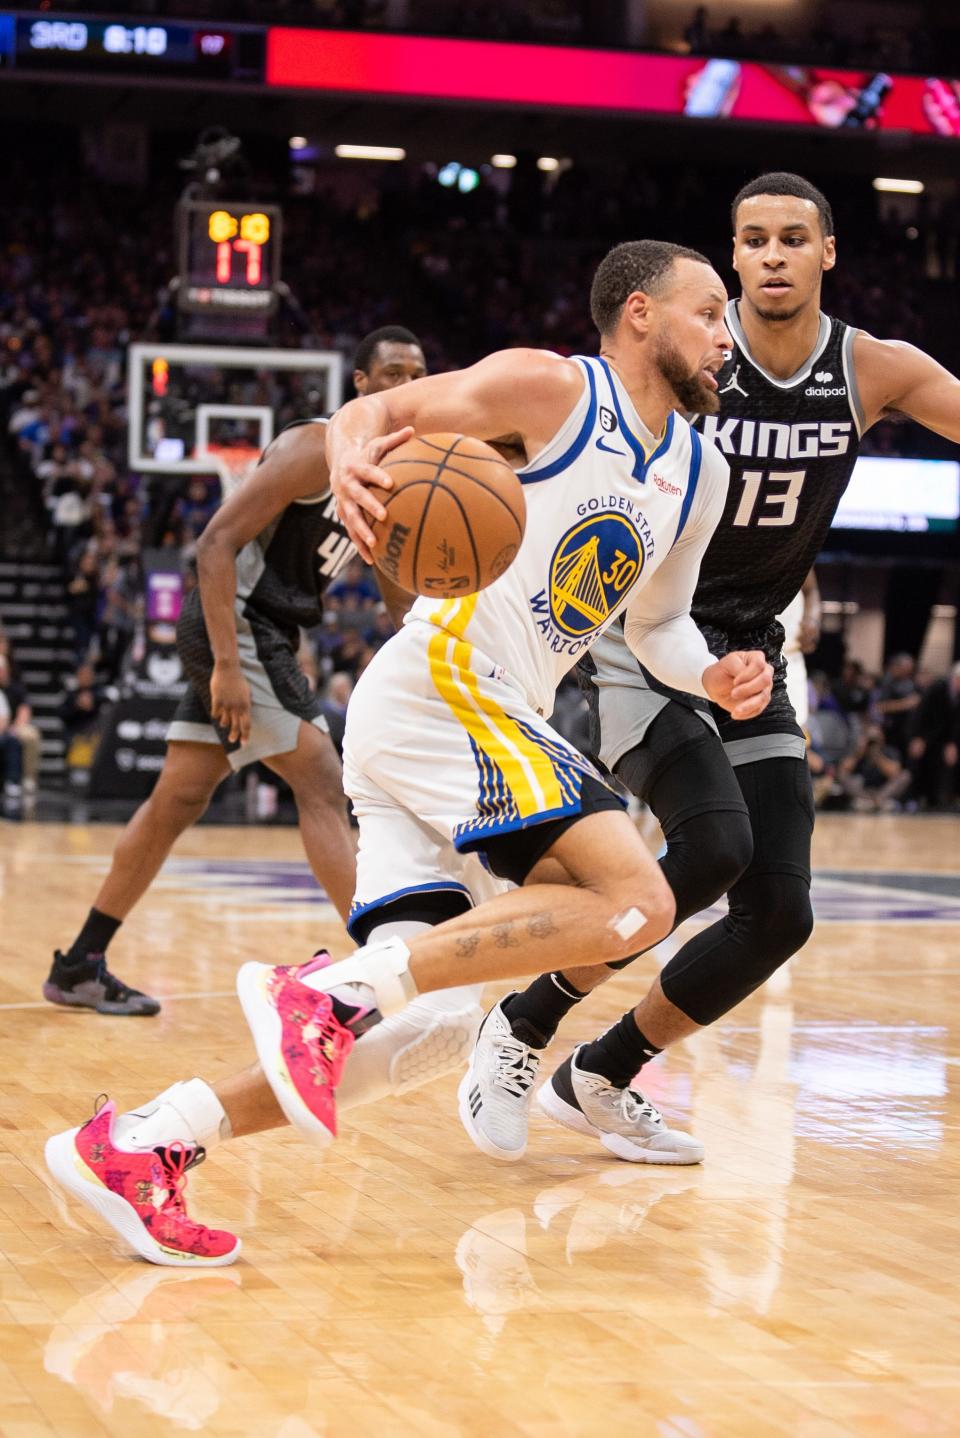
point(353, 483)
point(741, 682)
point(230, 700)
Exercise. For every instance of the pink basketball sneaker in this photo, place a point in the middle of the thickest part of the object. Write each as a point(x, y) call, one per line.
point(301, 1044)
point(140, 1194)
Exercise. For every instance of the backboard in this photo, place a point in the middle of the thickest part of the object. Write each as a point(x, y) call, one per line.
point(183, 400)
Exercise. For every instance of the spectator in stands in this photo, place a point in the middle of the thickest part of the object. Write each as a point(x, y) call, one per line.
point(339, 689)
point(822, 773)
point(121, 604)
point(730, 39)
point(28, 423)
point(195, 508)
point(83, 601)
point(17, 737)
point(82, 702)
point(873, 774)
point(352, 654)
point(354, 607)
point(853, 689)
point(326, 639)
point(935, 743)
point(377, 634)
point(355, 588)
point(827, 724)
point(21, 724)
point(697, 33)
point(896, 699)
point(55, 465)
point(71, 512)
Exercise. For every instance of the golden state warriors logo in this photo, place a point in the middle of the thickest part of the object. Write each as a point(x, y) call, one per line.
point(592, 568)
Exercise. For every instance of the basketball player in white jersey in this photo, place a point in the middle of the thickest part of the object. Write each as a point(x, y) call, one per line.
point(447, 752)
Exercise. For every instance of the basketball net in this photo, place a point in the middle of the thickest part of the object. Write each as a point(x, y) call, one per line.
point(232, 462)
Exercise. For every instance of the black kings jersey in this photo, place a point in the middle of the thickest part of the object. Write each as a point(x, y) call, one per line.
point(791, 445)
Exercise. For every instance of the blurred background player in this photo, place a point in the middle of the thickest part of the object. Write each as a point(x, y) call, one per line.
point(263, 563)
point(734, 800)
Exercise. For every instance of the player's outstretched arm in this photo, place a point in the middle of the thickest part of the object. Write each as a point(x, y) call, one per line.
point(660, 631)
point(894, 377)
point(522, 391)
point(294, 467)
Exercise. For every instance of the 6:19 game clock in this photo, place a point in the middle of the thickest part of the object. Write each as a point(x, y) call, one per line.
point(229, 256)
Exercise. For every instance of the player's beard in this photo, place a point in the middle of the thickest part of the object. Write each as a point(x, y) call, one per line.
point(693, 394)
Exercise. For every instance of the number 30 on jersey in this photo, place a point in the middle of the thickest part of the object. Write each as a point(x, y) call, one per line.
point(769, 497)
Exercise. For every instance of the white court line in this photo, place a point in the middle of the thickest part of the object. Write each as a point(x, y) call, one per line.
point(163, 998)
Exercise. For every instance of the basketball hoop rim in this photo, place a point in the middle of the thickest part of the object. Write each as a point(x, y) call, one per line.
point(231, 461)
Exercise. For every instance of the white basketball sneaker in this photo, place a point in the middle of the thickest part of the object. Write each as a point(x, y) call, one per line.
point(622, 1119)
point(496, 1090)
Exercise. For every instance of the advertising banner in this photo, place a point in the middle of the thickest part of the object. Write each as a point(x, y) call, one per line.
point(610, 80)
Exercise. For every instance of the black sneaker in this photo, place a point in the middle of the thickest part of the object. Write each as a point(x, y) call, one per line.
point(90, 985)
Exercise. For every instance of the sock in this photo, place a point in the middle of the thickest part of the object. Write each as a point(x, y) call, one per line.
point(619, 1053)
point(188, 1111)
point(381, 966)
point(535, 1014)
point(355, 1007)
point(432, 1036)
point(93, 938)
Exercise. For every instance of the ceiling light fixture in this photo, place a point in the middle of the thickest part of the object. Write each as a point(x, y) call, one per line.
point(898, 187)
point(369, 152)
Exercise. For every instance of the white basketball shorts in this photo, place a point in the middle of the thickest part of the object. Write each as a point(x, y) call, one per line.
point(443, 753)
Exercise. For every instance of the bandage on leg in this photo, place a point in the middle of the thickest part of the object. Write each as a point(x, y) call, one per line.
point(625, 925)
point(383, 966)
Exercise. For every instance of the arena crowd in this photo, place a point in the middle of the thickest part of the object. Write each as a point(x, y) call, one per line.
point(503, 265)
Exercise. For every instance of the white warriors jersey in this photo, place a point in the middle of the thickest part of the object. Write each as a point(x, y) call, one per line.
point(617, 520)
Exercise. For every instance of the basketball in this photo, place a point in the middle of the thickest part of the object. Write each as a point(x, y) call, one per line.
point(455, 516)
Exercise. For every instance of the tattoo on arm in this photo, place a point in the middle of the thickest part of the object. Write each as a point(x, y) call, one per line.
point(467, 945)
point(503, 935)
point(541, 926)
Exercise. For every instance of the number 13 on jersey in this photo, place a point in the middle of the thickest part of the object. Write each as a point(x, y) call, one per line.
point(769, 497)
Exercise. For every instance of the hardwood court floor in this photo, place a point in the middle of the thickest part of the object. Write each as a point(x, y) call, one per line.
point(802, 1283)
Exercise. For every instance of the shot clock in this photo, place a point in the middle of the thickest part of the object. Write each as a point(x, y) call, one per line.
point(229, 257)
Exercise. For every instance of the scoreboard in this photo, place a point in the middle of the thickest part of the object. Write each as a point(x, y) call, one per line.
point(152, 49)
point(229, 257)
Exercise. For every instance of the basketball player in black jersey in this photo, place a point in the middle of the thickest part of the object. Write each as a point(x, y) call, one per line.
point(733, 798)
point(263, 564)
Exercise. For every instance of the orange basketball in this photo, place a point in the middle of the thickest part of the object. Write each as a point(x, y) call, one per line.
point(455, 516)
